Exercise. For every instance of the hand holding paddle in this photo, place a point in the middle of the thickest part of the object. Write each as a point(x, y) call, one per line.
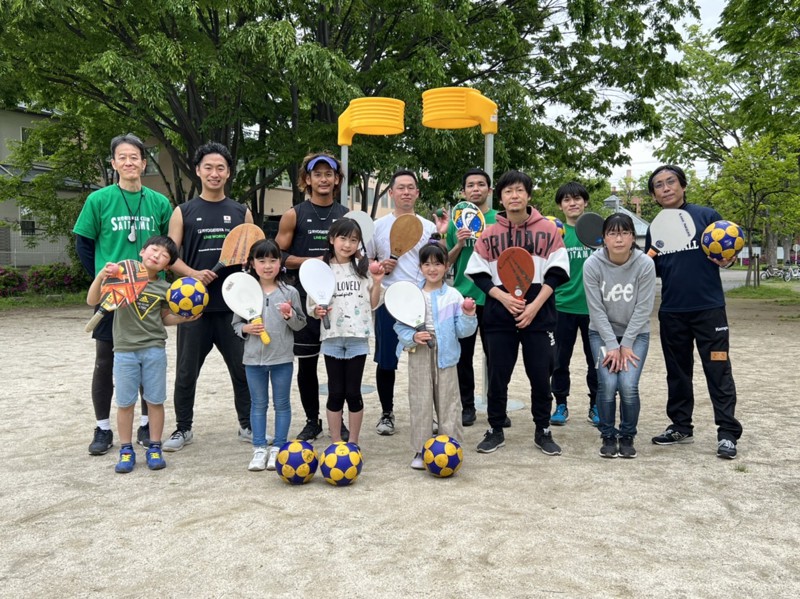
point(244, 297)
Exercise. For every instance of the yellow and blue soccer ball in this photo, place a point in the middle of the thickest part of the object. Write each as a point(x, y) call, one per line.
point(559, 225)
point(187, 297)
point(442, 456)
point(297, 462)
point(340, 464)
point(722, 240)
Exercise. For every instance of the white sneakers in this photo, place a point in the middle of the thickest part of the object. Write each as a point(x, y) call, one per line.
point(417, 463)
point(263, 459)
point(259, 461)
point(178, 439)
point(273, 456)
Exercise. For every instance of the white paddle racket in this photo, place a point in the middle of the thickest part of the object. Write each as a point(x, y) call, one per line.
point(318, 280)
point(670, 231)
point(245, 298)
point(405, 302)
point(366, 223)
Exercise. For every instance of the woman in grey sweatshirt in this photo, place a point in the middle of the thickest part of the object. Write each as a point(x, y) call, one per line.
point(619, 280)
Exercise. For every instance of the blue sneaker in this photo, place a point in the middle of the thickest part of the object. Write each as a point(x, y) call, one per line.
point(127, 460)
point(560, 416)
point(155, 460)
point(594, 416)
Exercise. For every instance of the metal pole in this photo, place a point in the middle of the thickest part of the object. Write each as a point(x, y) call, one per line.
point(345, 150)
point(488, 160)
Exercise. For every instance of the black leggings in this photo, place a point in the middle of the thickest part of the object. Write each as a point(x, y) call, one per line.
point(344, 383)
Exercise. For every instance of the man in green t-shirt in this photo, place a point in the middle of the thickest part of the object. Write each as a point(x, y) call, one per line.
point(475, 187)
point(573, 313)
point(113, 225)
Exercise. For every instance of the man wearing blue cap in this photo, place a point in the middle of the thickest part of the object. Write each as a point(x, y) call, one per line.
point(303, 234)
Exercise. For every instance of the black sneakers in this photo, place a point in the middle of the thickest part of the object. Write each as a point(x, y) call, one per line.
point(671, 437)
point(468, 416)
point(626, 448)
point(143, 435)
point(609, 448)
point(543, 439)
point(726, 449)
point(344, 433)
point(493, 440)
point(102, 442)
point(311, 430)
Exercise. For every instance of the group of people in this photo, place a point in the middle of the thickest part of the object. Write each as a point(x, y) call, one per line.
point(607, 295)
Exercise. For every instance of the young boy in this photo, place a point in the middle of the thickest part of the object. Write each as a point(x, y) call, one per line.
point(140, 357)
point(573, 312)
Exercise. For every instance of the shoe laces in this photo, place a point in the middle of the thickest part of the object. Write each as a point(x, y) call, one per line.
point(726, 444)
point(177, 435)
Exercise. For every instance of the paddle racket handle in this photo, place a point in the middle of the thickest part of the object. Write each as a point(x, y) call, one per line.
point(264, 335)
point(421, 328)
point(217, 267)
point(95, 320)
point(652, 252)
point(325, 320)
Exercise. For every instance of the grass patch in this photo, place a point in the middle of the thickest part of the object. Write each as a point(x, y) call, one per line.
point(786, 294)
point(740, 468)
point(32, 300)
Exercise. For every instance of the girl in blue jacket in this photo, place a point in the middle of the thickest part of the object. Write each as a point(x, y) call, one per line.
point(432, 377)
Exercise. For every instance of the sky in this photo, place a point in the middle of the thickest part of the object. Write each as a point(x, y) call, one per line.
point(641, 153)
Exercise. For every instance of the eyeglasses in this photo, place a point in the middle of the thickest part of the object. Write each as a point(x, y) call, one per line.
point(661, 184)
point(623, 234)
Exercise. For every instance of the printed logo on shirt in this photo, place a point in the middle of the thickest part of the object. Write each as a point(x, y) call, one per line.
point(226, 219)
point(146, 303)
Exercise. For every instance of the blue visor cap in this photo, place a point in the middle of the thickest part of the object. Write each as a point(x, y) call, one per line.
point(326, 159)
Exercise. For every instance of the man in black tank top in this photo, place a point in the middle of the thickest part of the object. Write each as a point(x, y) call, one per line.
point(303, 234)
point(199, 227)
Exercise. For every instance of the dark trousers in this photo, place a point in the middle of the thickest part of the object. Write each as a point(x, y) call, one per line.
point(386, 357)
point(708, 330)
point(538, 353)
point(465, 367)
point(195, 340)
point(344, 382)
point(567, 328)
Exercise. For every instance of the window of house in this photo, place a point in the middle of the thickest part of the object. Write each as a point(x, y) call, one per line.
point(151, 154)
point(27, 225)
point(44, 150)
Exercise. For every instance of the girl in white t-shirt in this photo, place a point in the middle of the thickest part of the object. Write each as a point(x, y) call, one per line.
point(346, 344)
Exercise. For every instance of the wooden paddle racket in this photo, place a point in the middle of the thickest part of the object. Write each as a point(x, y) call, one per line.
point(467, 215)
point(405, 233)
point(515, 269)
point(405, 302)
point(670, 231)
point(318, 280)
point(120, 290)
point(589, 229)
point(245, 298)
point(237, 244)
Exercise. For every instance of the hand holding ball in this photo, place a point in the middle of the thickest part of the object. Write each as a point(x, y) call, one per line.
point(285, 308)
point(375, 267)
point(469, 304)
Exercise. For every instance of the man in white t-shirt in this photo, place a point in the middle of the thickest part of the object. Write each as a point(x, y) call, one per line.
point(404, 193)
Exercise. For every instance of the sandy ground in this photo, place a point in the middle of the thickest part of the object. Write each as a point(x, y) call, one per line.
point(676, 522)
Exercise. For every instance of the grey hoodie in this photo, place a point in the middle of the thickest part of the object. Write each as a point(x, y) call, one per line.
point(620, 297)
point(280, 349)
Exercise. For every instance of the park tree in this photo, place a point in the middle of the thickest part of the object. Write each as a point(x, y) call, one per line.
point(575, 81)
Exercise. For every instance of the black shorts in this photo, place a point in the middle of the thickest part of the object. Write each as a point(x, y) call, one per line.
point(306, 340)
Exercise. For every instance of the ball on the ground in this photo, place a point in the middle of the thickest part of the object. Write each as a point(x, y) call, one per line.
point(722, 240)
point(559, 225)
point(187, 297)
point(340, 463)
point(442, 456)
point(297, 462)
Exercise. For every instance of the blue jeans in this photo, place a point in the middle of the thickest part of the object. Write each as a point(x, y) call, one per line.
point(258, 382)
point(624, 382)
point(146, 367)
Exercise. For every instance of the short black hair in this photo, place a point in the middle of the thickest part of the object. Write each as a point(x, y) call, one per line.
point(213, 147)
point(128, 138)
point(166, 243)
point(403, 172)
point(512, 178)
point(574, 189)
point(667, 167)
point(475, 171)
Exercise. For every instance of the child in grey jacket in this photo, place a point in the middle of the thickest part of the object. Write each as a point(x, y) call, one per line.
point(281, 313)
